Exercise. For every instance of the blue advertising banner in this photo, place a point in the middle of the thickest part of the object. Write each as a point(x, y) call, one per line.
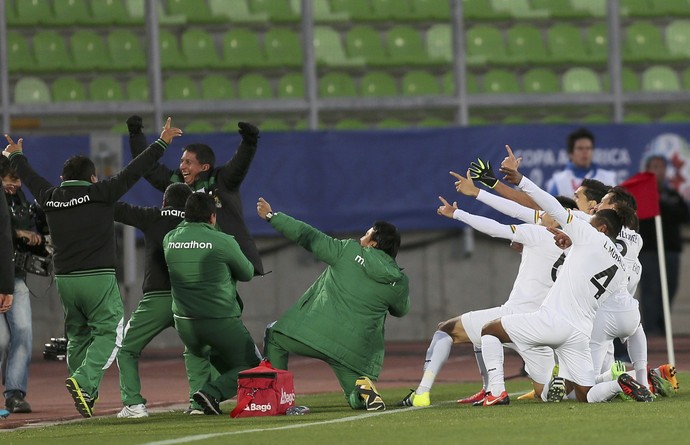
point(342, 181)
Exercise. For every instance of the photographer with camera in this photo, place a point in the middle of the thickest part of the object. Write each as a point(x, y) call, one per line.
point(15, 324)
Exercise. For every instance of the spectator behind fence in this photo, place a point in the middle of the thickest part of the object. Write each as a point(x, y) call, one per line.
point(674, 213)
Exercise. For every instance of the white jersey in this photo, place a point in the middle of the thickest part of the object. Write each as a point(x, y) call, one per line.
point(540, 259)
point(565, 182)
point(592, 270)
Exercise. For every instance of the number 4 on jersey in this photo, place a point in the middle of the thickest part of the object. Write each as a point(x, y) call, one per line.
point(608, 274)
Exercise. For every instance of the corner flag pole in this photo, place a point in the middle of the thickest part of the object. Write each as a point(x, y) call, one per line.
point(664, 290)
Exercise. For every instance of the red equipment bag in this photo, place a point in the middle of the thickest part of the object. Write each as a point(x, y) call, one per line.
point(264, 391)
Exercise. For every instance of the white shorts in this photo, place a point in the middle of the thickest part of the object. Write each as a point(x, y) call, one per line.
point(532, 332)
point(607, 326)
point(474, 321)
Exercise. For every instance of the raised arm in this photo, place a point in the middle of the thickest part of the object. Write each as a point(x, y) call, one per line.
point(484, 225)
point(235, 170)
point(35, 182)
point(158, 175)
point(482, 172)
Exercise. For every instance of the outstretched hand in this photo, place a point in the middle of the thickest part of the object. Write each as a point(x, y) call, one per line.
point(482, 172)
point(509, 167)
point(446, 209)
point(169, 132)
point(465, 185)
point(13, 146)
point(263, 208)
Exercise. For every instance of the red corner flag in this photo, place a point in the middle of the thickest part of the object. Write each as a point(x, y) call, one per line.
point(643, 187)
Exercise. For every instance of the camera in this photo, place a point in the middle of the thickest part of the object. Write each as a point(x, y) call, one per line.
point(56, 349)
point(38, 265)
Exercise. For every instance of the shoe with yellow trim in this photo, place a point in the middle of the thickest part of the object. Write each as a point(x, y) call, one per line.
point(371, 397)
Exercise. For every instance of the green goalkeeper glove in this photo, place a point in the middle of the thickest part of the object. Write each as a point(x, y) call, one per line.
point(482, 172)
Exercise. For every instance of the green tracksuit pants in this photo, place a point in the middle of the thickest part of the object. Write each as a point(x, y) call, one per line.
point(228, 345)
point(152, 316)
point(93, 323)
point(278, 347)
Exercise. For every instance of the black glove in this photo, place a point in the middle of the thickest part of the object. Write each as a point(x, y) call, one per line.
point(482, 172)
point(135, 124)
point(249, 133)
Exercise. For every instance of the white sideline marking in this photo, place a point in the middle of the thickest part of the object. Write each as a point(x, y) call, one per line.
point(301, 425)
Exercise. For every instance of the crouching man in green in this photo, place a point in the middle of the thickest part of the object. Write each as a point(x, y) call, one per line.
point(340, 318)
point(205, 265)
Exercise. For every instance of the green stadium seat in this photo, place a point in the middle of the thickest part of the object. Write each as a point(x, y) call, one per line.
point(337, 85)
point(136, 10)
point(50, 52)
point(358, 10)
point(500, 82)
point(69, 13)
point(433, 122)
point(482, 10)
point(519, 9)
point(477, 121)
point(565, 44)
point(283, 48)
point(431, 9)
point(644, 43)
point(560, 9)
point(237, 11)
point(393, 10)
point(241, 49)
point(194, 11)
point(391, 124)
point(541, 81)
point(31, 90)
point(525, 43)
point(515, 120)
point(595, 8)
point(10, 14)
point(199, 126)
point(108, 12)
point(330, 51)
point(32, 12)
point(350, 124)
point(660, 78)
point(321, 9)
point(291, 86)
point(686, 79)
point(485, 45)
point(636, 118)
point(637, 8)
point(405, 47)
point(89, 51)
point(449, 83)
point(278, 11)
point(126, 52)
point(171, 57)
point(678, 38)
point(138, 89)
point(199, 49)
point(595, 119)
point(675, 117)
point(581, 80)
point(630, 81)
point(672, 8)
point(378, 84)
point(420, 83)
point(180, 87)
point(105, 89)
point(68, 89)
point(439, 43)
point(555, 119)
point(364, 41)
point(217, 87)
point(19, 57)
point(254, 86)
point(274, 125)
point(598, 42)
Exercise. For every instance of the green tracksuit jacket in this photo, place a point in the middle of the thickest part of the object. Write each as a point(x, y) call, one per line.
point(205, 265)
point(342, 314)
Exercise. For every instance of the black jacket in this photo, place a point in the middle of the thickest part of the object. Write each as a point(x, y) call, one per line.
point(80, 214)
point(155, 223)
point(6, 251)
point(221, 182)
point(674, 213)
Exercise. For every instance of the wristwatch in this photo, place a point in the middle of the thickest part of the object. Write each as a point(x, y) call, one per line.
point(269, 215)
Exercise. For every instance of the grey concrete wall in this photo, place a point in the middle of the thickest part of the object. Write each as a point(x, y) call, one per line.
point(444, 282)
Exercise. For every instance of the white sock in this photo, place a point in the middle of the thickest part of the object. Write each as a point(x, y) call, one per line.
point(604, 377)
point(482, 367)
point(492, 350)
point(436, 357)
point(571, 395)
point(603, 392)
point(637, 350)
point(545, 391)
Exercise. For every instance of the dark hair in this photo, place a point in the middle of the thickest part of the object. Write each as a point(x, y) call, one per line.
point(626, 206)
point(199, 207)
point(387, 237)
point(595, 190)
point(6, 168)
point(79, 168)
point(652, 158)
point(612, 219)
point(204, 154)
point(580, 133)
point(176, 195)
point(567, 203)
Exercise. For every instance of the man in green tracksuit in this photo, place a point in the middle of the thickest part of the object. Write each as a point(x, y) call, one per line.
point(340, 318)
point(204, 266)
point(80, 218)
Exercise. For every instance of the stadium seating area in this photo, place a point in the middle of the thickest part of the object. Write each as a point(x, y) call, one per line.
point(232, 50)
